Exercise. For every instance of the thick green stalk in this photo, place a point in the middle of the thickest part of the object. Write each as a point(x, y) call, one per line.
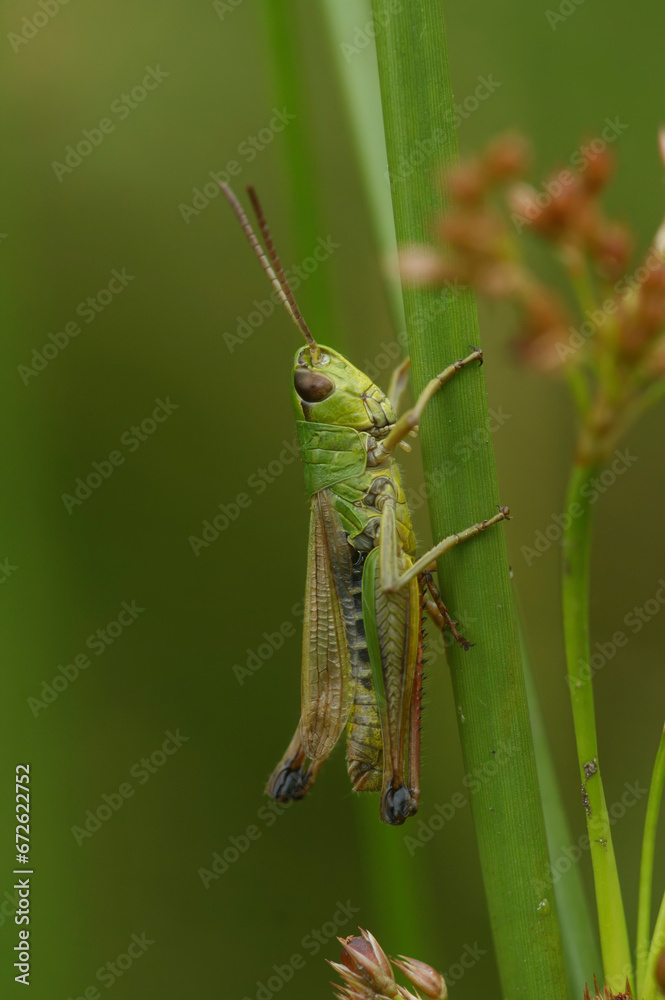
point(646, 864)
point(576, 554)
point(418, 113)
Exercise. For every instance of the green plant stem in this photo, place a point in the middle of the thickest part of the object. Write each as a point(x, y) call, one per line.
point(359, 81)
point(579, 941)
point(646, 864)
point(650, 987)
point(576, 552)
point(291, 89)
point(488, 685)
point(396, 910)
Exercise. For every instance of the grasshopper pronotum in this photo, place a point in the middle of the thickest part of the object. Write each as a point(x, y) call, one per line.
point(365, 591)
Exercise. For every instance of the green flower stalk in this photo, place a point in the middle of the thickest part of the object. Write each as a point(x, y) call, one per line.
point(613, 358)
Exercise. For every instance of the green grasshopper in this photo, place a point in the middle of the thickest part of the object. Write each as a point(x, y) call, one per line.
point(362, 656)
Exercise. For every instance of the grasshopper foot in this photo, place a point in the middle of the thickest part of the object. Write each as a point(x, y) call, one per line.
point(287, 784)
point(398, 804)
point(293, 776)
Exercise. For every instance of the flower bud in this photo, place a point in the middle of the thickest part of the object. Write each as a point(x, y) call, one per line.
point(507, 156)
point(426, 979)
point(370, 960)
point(606, 993)
point(598, 171)
point(355, 986)
point(467, 182)
point(477, 231)
point(611, 245)
point(422, 266)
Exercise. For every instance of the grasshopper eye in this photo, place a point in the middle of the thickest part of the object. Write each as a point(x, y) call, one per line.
point(311, 386)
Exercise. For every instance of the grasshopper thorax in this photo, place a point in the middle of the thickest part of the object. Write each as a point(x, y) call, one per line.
point(328, 389)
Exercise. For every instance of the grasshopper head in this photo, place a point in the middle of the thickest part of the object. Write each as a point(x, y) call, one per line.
point(328, 389)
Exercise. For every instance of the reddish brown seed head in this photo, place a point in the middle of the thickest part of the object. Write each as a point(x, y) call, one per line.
point(507, 156)
point(599, 169)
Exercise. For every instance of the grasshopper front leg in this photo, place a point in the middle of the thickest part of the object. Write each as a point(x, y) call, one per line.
point(409, 421)
point(391, 578)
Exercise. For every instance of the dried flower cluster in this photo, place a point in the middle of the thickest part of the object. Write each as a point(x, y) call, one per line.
point(607, 994)
point(611, 344)
point(368, 974)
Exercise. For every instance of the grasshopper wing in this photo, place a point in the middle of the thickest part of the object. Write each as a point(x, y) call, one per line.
point(329, 627)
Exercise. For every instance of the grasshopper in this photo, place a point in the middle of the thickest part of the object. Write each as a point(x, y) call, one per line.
point(366, 592)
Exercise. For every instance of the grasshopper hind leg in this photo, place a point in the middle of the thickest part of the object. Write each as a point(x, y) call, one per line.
point(439, 613)
point(295, 773)
point(393, 626)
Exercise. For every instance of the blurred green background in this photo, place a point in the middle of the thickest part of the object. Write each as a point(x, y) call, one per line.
point(161, 337)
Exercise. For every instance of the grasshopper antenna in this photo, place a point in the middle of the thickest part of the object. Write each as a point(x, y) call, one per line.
point(272, 267)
